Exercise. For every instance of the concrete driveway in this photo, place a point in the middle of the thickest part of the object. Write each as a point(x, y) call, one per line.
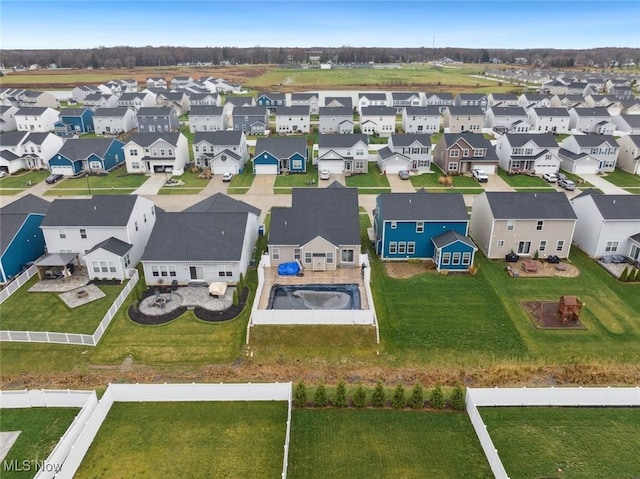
point(262, 185)
point(400, 186)
point(496, 183)
point(602, 184)
point(152, 185)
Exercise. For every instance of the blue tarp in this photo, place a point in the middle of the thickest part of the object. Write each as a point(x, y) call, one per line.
point(288, 269)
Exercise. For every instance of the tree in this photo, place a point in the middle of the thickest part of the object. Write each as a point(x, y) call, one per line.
point(484, 57)
point(340, 398)
point(437, 397)
point(457, 398)
point(398, 399)
point(300, 395)
point(379, 397)
point(360, 397)
point(236, 301)
point(625, 274)
point(416, 400)
point(320, 398)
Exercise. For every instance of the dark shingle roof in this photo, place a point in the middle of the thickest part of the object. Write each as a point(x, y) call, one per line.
point(155, 111)
point(113, 245)
point(378, 110)
point(618, 207)
point(73, 112)
point(430, 110)
point(442, 96)
point(119, 111)
point(32, 110)
point(632, 120)
point(9, 155)
point(465, 110)
point(423, 207)
point(272, 96)
point(504, 96)
point(220, 138)
point(594, 140)
point(343, 100)
point(341, 141)
point(551, 111)
point(197, 110)
point(598, 111)
point(337, 110)
point(27, 204)
point(303, 96)
point(148, 139)
point(99, 210)
point(196, 237)
point(508, 110)
point(250, 111)
point(386, 152)
point(409, 138)
point(543, 140)
point(471, 96)
point(13, 216)
point(449, 237)
point(331, 213)
point(281, 147)
point(221, 203)
point(37, 138)
point(373, 96)
point(81, 149)
point(403, 95)
point(530, 206)
point(293, 110)
point(12, 138)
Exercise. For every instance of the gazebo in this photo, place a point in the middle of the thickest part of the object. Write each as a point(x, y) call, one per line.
point(56, 265)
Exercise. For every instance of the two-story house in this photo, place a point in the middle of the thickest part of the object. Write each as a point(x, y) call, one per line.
point(180, 81)
point(463, 152)
point(567, 101)
point(528, 153)
point(157, 153)
point(79, 93)
point(421, 119)
point(156, 82)
point(113, 121)
point(335, 119)
point(591, 120)
point(204, 99)
point(89, 154)
point(507, 119)
point(176, 99)
point(534, 100)
point(377, 120)
point(312, 100)
point(441, 100)
point(157, 119)
point(271, 101)
point(416, 147)
point(34, 118)
point(222, 151)
point(27, 150)
point(549, 120)
point(501, 99)
point(252, 120)
point(629, 154)
point(589, 154)
point(74, 121)
point(100, 100)
point(293, 119)
point(403, 99)
point(280, 155)
point(629, 124)
point(343, 154)
point(366, 100)
point(135, 101)
point(8, 118)
point(471, 99)
point(458, 119)
point(207, 118)
point(339, 101)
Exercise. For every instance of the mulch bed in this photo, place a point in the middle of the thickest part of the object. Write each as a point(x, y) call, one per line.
point(226, 315)
point(106, 282)
point(141, 318)
point(544, 315)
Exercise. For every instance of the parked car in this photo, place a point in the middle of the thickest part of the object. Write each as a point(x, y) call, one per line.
point(53, 178)
point(561, 176)
point(403, 174)
point(480, 175)
point(325, 174)
point(550, 177)
point(227, 177)
point(567, 185)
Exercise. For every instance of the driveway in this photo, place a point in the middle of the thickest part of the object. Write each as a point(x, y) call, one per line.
point(400, 186)
point(496, 183)
point(339, 178)
point(152, 185)
point(262, 185)
point(602, 184)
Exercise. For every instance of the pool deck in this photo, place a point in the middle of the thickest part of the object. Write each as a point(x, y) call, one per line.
point(339, 276)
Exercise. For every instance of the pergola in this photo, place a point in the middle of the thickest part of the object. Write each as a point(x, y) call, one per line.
point(51, 262)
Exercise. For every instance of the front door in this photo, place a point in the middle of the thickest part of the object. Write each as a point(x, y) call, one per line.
point(524, 247)
point(197, 273)
point(319, 262)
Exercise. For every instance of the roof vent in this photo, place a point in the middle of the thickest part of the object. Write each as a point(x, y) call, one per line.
point(222, 232)
point(285, 223)
point(614, 202)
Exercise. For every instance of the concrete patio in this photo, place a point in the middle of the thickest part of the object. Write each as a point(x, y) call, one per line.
point(615, 269)
point(187, 296)
point(83, 295)
point(78, 279)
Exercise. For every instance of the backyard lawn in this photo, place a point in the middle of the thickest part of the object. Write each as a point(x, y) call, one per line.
point(366, 443)
point(189, 439)
point(572, 443)
point(524, 181)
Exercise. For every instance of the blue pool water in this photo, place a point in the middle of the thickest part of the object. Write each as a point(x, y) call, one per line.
point(315, 296)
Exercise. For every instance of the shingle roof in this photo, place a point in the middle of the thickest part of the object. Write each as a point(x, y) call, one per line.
point(618, 207)
point(403, 95)
point(197, 237)
point(373, 96)
point(8, 155)
point(119, 111)
point(281, 147)
point(543, 140)
point(293, 110)
point(250, 111)
point(533, 206)
point(465, 110)
point(504, 96)
point(27, 204)
point(197, 110)
point(14, 215)
point(239, 100)
point(337, 111)
point(221, 203)
point(429, 110)
point(344, 100)
point(99, 210)
point(113, 245)
point(303, 96)
point(341, 141)
point(449, 237)
point(471, 96)
point(442, 96)
point(423, 207)
point(31, 110)
point(475, 140)
point(12, 138)
point(598, 111)
point(635, 139)
point(409, 138)
point(508, 110)
point(148, 139)
point(73, 112)
point(594, 140)
point(81, 149)
point(386, 152)
point(378, 111)
point(331, 213)
point(570, 155)
point(551, 111)
point(632, 120)
point(272, 96)
point(220, 138)
point(155, 111)
point(132, 96)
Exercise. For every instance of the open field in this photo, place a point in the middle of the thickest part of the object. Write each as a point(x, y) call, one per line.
point(188, 439)
point(580, 443)
point(383, 443)
point(41, 429)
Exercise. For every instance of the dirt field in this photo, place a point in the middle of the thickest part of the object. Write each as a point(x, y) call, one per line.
point(401, 269)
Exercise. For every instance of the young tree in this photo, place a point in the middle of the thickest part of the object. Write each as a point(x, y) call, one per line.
point(457, 398)
point(625, 274)
point(437, 397)
point(236, 300)
point(320, 398)
point(379, 397)
point(416, 400)
point(340, 398)
point(300, 395)
point(359, 397)
point(398, 399)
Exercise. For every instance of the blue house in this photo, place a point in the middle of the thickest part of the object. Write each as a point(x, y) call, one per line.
point(271, 100)
point(423, 226)
point(280, 155)
point(95, 154)
point(21, 239)
point(74, 121)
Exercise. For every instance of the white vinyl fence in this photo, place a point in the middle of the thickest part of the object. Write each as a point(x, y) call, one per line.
point(528, 397)
point(87, 400)
point(17, 283)
point(174, 393)
point(74, 338)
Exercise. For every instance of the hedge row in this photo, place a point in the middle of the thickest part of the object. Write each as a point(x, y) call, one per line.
point(416, 398)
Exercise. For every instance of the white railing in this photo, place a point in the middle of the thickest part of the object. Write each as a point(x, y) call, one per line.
point(172, 392)
point(287, 436)
point(17, 283)
point(364, 258)
point(313, 316)
point(538, 397)
point(265, 261)
point(74, 338)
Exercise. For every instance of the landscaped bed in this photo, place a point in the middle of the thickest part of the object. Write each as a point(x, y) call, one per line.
point(189, 439)
point(561, 442)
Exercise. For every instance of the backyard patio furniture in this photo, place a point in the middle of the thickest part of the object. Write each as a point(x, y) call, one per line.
point(561, 267)
point(529, 266)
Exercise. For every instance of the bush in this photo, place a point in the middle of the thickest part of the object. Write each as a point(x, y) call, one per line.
point(398, 399)
point(625, 274)
point(241, 282)
point(378, 397)
point(359, 397)
point(633, 275)
point(340, 398)
point(236, 300)
point(457, 398)
point(320, 398)
point(437, 397)
point(416, 400)
point(637, 275)
point(300, 395)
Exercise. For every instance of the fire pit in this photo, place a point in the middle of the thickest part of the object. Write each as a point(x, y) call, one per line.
point(83, 293)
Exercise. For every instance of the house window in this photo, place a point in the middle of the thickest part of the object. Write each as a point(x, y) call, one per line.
point(500, 244)
point(225, 270)
point(104, 267)
point(359, 165)
point(456, 258)
point(155, 271)
point(126, 260)
point(510, 225)
point(543, 246)
point(296, 164)
point(164, 271)
point(465, 152)
point(135, 165)
point(96, 266)
point(308, 258)
point(275, 253)
point(393, 247)
point(402, 247)
point(347, 256)
point(446, 258)
point(419, 226)
point(161, 151)
point(136, 225)
point(297, 254)
point(478, 152)
point(62, 234)
point(172, 270)
point(466, 259)
point(133, 152)
point(611, 246)
point(411, 247)
point(83, 233)
point(454, 153)
point(539, 225)
point(330, 257)
point(453, 166)
point(560, 245)
point(144, 217)
point(112, 266)
point(394, 225)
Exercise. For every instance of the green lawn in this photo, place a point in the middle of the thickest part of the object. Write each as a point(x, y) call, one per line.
point(25, 311)
point(22, 181)
point(427, 180)
point(244, 179)
point(86, 192)
point(623, 179)
point(580, 443)
point(519, 181)
point(367, 443)
point(189, 439)
point(578, 180)
point(177, 190)
point(41, 429)
point(114, 179)
point(191, 179)
point(298, 179)
point(372, 179)
point(237, 191)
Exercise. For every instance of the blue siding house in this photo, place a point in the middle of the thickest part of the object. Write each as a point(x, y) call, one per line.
point(21, 239)
point(96, 154)
point(271, 100)
point(414, 226)
point(453, 251)
point(74, 121)
point(274, 156)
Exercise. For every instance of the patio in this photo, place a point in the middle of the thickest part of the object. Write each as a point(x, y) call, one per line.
point(83, 295)
point(78, 279)
point(615, 269)
point(186, 296)
point(531, 268)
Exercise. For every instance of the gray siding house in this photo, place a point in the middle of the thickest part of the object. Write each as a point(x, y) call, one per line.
point(338, 119)
point(157, 119)
point(421, 119)
point(250, 119)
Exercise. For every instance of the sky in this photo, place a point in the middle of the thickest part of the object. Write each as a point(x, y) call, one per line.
point(573, 24)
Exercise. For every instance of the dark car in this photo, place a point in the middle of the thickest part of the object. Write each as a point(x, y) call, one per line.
point(53, 178)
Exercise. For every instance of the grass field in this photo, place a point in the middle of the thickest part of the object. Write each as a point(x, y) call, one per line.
point(427, 180)
point(10, 185)
point(41, 428)
point(189, 439)
point(298, 179)
point(87, 192)
point(572, 443)
point(383, 443)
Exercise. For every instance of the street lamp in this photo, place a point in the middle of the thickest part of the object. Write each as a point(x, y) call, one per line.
point(88, 183)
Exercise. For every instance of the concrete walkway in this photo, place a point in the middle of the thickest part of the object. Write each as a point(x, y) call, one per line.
point(602, 184)
point(152, 185)
point(399, 185)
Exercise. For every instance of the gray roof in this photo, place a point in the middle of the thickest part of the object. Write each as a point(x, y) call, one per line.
point(465, 110)
point(221, 138)
point(12, 138)
point(449, 237)
point(173, 95)
point(5, 108)
point(551, 111)
point(132, 96)
point(148, 139)
point(206, 110)
point(403, 95)
point(73, 111)
point(113, 245)
point(504, 96)
point(303, 96)
point(26, 204)
point(386, 152)
point(378, 111)
point(32, 110)
point(471, 96)
point(240, 100)
point(338, 111)
point(594, 140)
point(635, 139)
point(272, 96)
point(293, 110)
point(421, 206)
point(341, 141)
point(410, 138)
point(37, 138)
point(155, 111)
point(373, 96)
point(598, 111)
point(96, 96)
point(442, 96)
point(430, 110)
point(119, 111)
point(221, 203)
point(570, 155)
point(508, 110)
point(530, 206)
point(197, 237)
point(281, 147)
point(535, 96)
point(618, 207)
point(632, 120)
point(99, 210)
point(9, 155)
point(475, 140)
point(80, 149)
point(543, 140)
point(331, 213)
point(344, 100)
point(250, 111)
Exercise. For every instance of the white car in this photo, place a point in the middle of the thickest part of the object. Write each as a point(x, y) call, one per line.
point(325, 174)
point(550, 177)
point(480, 175)
point(227, 177)
point(3, 174)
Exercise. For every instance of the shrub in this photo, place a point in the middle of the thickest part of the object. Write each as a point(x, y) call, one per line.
point(300, 395)
point(625, 274)
point(241, 282)
point(236, 300)
point(340, 398)
point(320, 398)
point(359, 397)
point(633, 275)
point(398, 399)
point(416, 400)
point(457, 398)
point(437, 397)
point(637, 275)
point(378, 397)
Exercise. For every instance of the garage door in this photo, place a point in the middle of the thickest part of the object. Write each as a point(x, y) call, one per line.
point(335, 167)
point(586, 169)
point(266, 169)
point(488, 169)
point(394, 168)
point(218, 169)
point(62, 170)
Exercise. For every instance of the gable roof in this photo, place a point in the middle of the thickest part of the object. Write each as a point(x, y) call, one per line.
point(336, 110)
point(635, 139)
point(597, 111)
point(32, 110)
point(80, 149)
point(465, 110)
point(12, 138)
point(421, 206)
point(543, 140)
point(341, 141)
point(281, 147)
point(113, 245)
point(378, 110)
point(293, 110)
point(387, 152)
point(74, 112)
point(594, 140)
point(148, 139)
point(303, 96)
point(26, 204)
point(475, 140)
point(503, 96)
point(508, 110)
point(221, 203)
point(449, 237)
point(99, 210)
point(343, 100)
point(155, 111)
point(551, 111)
point(250, 111)
point(272, 96)
point(220, 137)
point(618, 207)
point(373, 96)
point(403, 95)
point(632, 120)
point(530, 206)
point(408, 139)
point(132, 96)
point(197, 110)
point(14, 215)
point(471, 96)
point(119, 111)
point(429, 110)
point(9, 155)
point(442, 96)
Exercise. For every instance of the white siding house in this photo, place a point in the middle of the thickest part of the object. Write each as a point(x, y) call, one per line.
point(156, 152)
point(40, 119)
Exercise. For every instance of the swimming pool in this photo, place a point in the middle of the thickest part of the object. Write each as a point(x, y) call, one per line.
point(314, 296)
